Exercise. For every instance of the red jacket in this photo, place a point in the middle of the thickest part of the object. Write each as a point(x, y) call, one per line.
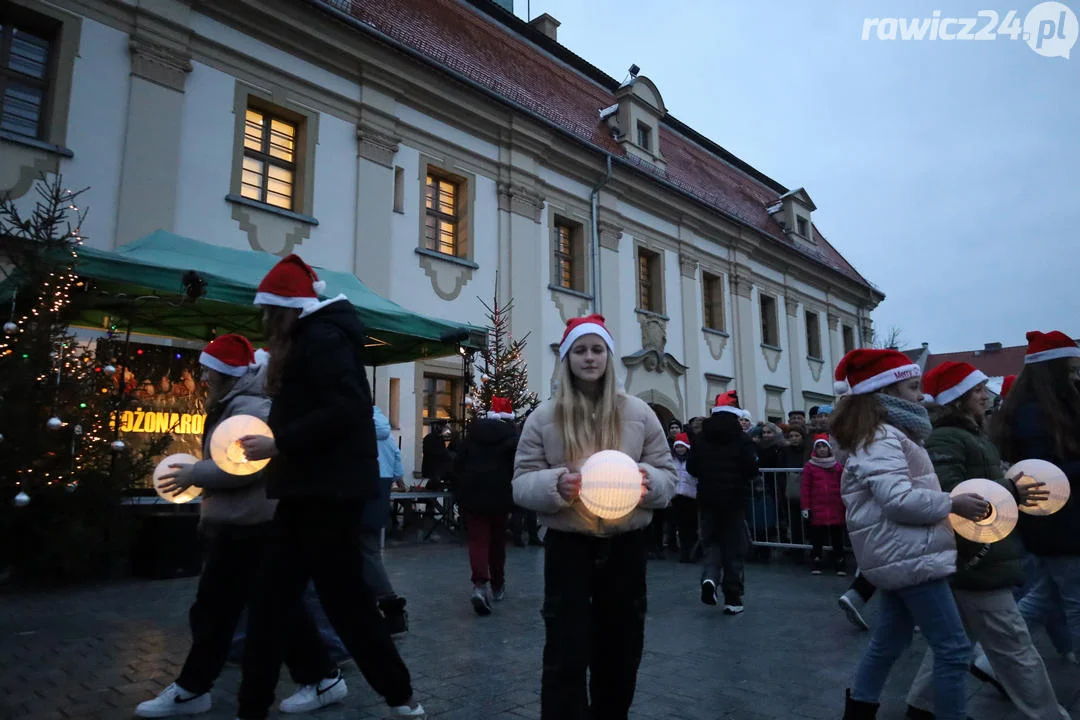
point(821, 494)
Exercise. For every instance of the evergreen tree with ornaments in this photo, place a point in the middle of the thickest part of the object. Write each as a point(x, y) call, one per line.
point(501, 366)
point(63, 468)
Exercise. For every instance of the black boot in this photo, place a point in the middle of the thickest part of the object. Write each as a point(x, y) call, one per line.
point(397, 618)
point(859, 710)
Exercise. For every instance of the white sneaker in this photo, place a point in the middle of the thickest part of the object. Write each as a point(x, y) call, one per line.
point(481, 600)
point(848, 605)
point(174, 700)
point(406, 711)
point(312, 697)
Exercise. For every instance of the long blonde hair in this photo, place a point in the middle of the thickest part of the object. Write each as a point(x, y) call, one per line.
point(587, 426)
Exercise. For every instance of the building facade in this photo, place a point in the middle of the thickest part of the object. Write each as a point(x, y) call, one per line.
point(442, 151)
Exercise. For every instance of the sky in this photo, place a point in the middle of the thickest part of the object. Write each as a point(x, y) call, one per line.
point(945, 171)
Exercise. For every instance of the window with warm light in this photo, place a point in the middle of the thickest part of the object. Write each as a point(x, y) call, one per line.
point(442, 207)
point(569, 255)
point(650, 283)
point(712, 291)
point(25, 56)
point(441, 398)
point(269, 171)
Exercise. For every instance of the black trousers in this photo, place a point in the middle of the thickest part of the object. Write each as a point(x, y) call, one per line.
point(320, 540)
point(657, 530)
point(594, 615)
point(834, 534)
point(234, 555)
point(723, 533)
point(685, 514)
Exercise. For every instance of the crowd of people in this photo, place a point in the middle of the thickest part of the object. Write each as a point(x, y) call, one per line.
point(297, 543)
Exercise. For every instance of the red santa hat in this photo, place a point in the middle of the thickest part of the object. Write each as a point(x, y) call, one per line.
point(682, 439)
point(1053, 345)
point(727, 402)
point(581, 326)
point(1006, 385)
point(822, 438)
point(291, 283)
point(865, 370)
point(229, 355)
point(501, 409)
point(950, 380)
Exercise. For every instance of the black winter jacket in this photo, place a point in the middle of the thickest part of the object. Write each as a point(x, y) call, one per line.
point(484, 468)
point(322, 415)
point(723, 460)
point(1047, 534)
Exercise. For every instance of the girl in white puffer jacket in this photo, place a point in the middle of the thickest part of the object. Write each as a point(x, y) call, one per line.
point(897, 519)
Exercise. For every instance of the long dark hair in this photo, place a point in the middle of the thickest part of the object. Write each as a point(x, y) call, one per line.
point(856, 420)
point(1047, 384)
point(279, 322)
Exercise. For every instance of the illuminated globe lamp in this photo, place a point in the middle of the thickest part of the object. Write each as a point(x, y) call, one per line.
point(164, 468)
point(226, 450)
point(610, 484)
point(1029, 472)
point(998, 523)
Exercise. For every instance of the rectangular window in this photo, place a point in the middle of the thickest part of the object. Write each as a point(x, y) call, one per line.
point(712, 290)
point(442, 398)
point(269, 171)
point(770, 333)
point(644, 136)
point(393, 410)
point(399, 189)
point(26, 51)
point(569, 246)
point(849, 338)
point(442, 212)
point(813, 335)
point(650, 284)
point(803, 226)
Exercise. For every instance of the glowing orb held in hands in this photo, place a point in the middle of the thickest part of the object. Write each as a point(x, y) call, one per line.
point(998, 524)
point(1033, 471)
point(225, 448)
point(610, 484)
point(189, 493)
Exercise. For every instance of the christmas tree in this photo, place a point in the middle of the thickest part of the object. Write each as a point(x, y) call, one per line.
point(63, 467)
point(502, 368)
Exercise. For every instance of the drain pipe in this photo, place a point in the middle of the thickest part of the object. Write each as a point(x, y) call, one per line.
point(595, 244)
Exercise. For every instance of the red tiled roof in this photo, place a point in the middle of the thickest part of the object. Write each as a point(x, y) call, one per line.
point(489, 54)
point(995, 363)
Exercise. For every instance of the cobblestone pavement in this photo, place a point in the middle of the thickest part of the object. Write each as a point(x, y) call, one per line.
point(96, 652)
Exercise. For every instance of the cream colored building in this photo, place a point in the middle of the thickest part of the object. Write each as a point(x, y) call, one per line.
point(434, 148)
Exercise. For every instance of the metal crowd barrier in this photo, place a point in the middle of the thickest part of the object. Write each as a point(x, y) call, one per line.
point(773, 513)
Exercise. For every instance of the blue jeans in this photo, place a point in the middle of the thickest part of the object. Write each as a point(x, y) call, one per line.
point(1053, 599)
point(932, 607)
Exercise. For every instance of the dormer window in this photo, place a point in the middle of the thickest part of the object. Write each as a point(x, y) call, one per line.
point(644, 137)
point(792, 211)
point(802, 226)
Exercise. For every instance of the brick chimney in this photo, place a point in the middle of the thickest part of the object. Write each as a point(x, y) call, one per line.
point(547, 25)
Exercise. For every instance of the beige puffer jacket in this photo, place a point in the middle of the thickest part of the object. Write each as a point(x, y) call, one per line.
point(541, 461)
point(897, 514)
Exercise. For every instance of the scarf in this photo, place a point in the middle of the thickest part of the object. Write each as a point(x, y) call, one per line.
point(828, 462)
point(911, 418)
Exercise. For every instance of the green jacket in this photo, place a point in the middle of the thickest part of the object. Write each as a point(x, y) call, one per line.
point(960, 451)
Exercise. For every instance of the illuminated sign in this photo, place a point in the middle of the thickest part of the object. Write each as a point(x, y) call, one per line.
point(139, 421)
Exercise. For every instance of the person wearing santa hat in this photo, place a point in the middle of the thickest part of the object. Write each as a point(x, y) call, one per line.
point(324, 468)
point(1040, 419)
point(897, 518)
point(594, 568)
point(483, 471)
point(725, 463)
point(986, 573)
point(234, 519)
point(684, 504)
point(822, 506)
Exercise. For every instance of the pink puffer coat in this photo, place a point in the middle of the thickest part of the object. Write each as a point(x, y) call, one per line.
point(821, 494)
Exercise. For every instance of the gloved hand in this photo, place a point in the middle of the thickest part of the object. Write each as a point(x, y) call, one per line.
point(805, 514)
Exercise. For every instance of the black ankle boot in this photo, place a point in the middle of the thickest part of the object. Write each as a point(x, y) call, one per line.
point(393, 610)
point(859, 710)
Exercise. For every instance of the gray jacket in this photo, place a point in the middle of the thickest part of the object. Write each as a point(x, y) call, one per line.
point(897, 514)
point(234, 499)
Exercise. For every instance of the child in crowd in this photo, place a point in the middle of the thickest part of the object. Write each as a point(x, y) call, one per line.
point(822, 505)
point(684, 504)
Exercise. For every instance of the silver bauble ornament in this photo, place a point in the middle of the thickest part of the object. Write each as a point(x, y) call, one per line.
point(71, 487)
point(10, 328)
point(118, 445)
point(1, 437)
point(54, 423)
point(109, 369)
point(21, 500)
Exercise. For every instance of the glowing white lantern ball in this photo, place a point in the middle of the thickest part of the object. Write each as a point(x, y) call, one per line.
point(163, 468)
point(1029, 472)
point(610, 484)
point(225, 448)
point(998, 524)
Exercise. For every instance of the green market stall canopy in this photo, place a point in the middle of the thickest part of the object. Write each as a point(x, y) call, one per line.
point(146, 284)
